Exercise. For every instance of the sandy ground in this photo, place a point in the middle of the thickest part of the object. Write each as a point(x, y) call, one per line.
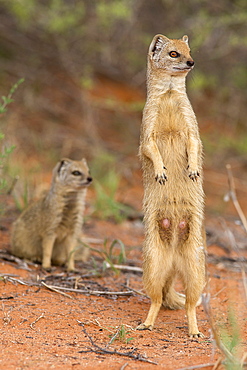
point(47, 329)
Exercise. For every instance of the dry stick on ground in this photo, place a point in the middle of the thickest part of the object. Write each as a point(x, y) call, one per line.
point(233, 196)
point(91, 292)
point(124, 267)
point(217, 363)
point(199, 366)
point(6, 318)
point(226, 353)
point(5, 255)
point(14, 280)
point(34, 322)
point(124, 366)
point(135, 291)
point(103, 351)
point(55, 289)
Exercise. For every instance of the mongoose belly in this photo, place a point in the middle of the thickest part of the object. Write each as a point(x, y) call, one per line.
point(173, 208)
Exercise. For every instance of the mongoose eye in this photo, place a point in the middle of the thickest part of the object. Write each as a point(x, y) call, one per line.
point(174, 54)
point(76, 173)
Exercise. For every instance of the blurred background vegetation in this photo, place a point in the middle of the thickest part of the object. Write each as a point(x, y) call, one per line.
point(84, 65)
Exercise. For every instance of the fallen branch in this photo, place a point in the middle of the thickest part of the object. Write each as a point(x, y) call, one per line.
point(85, 291)
point(233, 196)
point(103, 351)
point(197, 367)
point(135, 291)
point(55, 289)
point(124, 267)
point(10, 258)
point(240, 259)
point(225, 352)
point(85, 239)
point(124, 366)
point(12, 279)
point(8, 275)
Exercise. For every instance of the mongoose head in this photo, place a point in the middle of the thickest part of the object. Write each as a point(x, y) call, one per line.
point(71, 175)
point(171, 56)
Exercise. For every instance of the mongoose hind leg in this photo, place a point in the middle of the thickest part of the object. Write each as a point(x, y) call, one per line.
point(155, 273)
point(194, 279)
point(156, 302)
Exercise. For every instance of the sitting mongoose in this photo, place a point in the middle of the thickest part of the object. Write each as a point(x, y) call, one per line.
point(47, 231)
point(171, 156)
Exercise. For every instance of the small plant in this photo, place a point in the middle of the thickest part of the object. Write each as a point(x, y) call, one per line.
point(227, 339)
point(121, 335)
point(106, 183)
point(231, 340)
point(8, 99)
point(4, 150)
point(110, 258)
point(108, 255)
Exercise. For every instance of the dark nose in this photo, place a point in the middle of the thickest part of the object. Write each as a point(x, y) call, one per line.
point(190, 63)
point(89, 179)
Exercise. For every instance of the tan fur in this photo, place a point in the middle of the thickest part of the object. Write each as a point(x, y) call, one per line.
point(171, 156)
point(47, 231)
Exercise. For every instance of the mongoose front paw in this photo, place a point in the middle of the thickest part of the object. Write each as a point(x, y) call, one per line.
point(161, 177)
point(193, 174)
point(144, 327)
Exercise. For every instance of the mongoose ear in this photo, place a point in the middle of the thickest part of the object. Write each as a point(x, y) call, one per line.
point(60, 166)
point(185, 39)
point(156, 46)
point(83, 160)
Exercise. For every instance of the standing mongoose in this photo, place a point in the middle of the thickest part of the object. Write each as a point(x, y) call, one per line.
point(171, 157)
point(48, 229)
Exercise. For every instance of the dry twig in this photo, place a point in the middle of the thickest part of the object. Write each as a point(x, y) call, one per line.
point(225, 352)
point(87, 291)
point(97, 349)
point(55, 289)
point(124, 267)
point(135, 291)
point(124, 366)
point(34, 322)
point(6, 318)
point(14, 280)
point(233, 196)
point(198, 366)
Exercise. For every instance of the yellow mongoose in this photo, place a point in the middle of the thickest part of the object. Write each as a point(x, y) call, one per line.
point(171, 156)
point(48, 229)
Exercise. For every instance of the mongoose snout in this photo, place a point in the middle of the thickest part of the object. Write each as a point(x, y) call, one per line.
point(190, 63)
